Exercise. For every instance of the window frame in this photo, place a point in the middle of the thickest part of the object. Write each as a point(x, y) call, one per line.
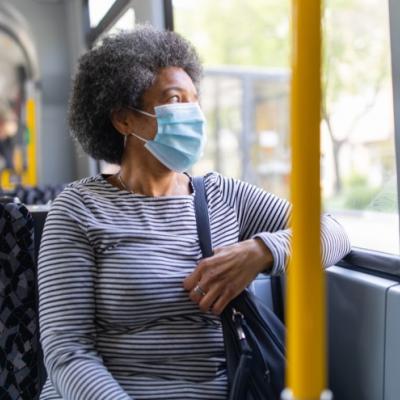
point(92, 34)
point(372, 262)
point(394, 16)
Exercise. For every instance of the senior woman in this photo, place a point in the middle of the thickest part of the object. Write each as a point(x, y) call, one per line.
point(127, 308)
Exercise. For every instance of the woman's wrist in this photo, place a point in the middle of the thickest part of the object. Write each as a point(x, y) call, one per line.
point(260, 255)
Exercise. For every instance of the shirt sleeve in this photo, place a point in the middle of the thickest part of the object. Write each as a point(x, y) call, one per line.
point(265, 216)
point(66, 274)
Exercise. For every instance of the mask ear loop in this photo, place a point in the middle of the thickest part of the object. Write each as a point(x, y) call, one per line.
point(132, 134)
point(144, 112)
point(137, 136)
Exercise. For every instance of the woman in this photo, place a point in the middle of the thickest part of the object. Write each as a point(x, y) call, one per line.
point(127, 309)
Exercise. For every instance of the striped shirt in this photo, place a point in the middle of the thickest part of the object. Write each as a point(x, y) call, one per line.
point(115, 320)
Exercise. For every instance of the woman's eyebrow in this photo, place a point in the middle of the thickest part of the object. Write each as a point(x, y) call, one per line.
point(176, 88)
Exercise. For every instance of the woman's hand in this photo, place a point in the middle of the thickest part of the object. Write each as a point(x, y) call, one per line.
point(220, 278)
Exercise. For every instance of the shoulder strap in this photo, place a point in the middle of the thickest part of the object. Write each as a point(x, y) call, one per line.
point(202, 219)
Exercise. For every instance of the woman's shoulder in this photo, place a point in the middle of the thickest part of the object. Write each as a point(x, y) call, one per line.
point(87, 182)
point(76, 191)
point(234, 191)
point(215, 178)
point(225, 184)
point(95, 183)
point(223, 187)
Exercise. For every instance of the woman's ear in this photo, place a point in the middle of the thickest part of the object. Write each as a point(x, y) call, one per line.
point(122, 120)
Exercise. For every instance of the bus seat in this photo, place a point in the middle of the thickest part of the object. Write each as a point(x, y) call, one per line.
point(271, 290)
point(20, 356)
point(37, 195)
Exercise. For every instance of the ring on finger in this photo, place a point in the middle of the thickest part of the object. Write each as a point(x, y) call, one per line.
point(199, 290)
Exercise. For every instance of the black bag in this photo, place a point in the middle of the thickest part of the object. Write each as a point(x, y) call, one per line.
point(254, 336)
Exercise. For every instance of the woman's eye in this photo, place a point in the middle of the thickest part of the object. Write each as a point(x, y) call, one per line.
point(173, 99)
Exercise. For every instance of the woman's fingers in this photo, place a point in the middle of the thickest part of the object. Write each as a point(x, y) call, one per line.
point(206, 301)
point(213, 281)
point(206, 267)
point(222, 302)
point(192, 280)
point(218, 279)
point(213, 298)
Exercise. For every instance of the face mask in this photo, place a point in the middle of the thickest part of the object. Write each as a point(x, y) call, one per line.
point(180, 138)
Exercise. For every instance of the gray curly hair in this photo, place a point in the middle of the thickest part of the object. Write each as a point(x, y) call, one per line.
point(115, 75)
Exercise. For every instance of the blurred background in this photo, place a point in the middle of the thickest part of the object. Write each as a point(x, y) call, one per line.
point(245, 47)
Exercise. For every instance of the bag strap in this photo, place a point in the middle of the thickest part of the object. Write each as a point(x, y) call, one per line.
point(202, 218)
point(238, 378)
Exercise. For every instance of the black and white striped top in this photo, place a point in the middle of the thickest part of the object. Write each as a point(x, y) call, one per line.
point(115, 320)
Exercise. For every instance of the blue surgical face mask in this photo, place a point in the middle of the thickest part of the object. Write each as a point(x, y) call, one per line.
point(180, 138)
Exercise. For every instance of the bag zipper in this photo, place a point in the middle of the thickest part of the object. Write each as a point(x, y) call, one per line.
point(238, 318)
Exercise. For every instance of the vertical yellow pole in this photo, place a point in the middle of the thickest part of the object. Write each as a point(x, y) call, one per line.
point(306, 375)
point(30, 176)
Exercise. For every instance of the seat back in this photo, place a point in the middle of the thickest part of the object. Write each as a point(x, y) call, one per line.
point(21, 359)
point(270, 290)
point(38, 195)
point(19, 339)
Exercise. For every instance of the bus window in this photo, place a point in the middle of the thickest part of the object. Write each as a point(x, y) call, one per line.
point(125, 21)
point(358, 162)
point(249, 121)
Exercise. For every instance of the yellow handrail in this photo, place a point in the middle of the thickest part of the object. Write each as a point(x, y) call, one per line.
point(306, 373)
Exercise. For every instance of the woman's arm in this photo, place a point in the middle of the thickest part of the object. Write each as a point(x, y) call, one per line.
point(265, 216)
point(66, 276)
point(264, 245)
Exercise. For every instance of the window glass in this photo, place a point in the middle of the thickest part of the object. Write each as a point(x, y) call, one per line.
point(126, 21)
point(270, 157)
point(98, 9)
point(245, 90)
point(245, 47)
point(358, 152)
point(223, 123)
